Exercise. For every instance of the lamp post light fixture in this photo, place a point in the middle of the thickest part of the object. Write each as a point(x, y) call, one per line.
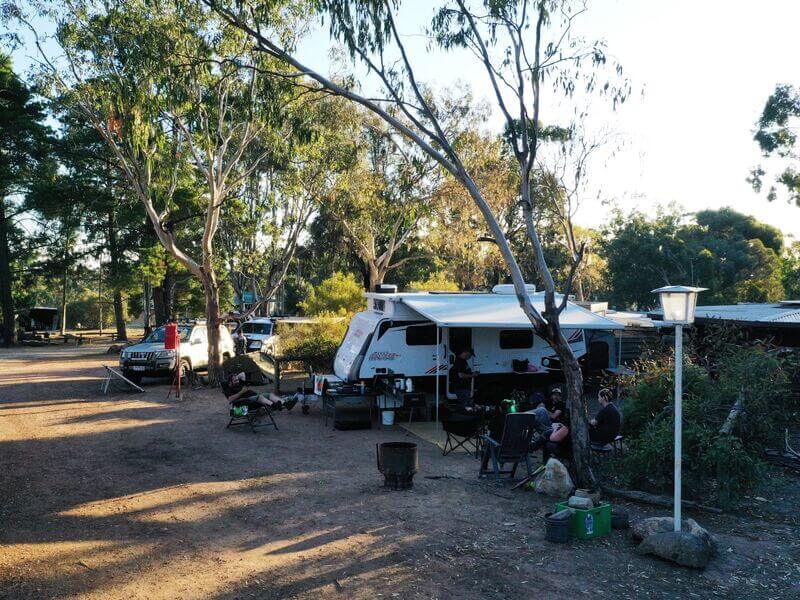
point(678, 303)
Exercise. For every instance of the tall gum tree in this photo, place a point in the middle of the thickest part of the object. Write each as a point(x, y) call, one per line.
point(518, 45)
point(168, 85)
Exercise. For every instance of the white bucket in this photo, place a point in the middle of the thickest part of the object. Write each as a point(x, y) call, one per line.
point(388, 417)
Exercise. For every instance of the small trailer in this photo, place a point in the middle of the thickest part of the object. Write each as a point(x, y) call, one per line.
point(418, 334)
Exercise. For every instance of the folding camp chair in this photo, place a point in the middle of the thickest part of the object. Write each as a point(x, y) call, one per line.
point(462, 432)
point(513, 448)
point(257, 416)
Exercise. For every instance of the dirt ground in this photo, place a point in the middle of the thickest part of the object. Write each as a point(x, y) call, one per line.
point(134, 496)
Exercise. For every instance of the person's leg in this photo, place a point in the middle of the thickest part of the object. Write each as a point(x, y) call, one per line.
point(463, 397)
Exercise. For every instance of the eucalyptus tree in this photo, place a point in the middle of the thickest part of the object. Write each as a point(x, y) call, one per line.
point(172, 90)
point(267, 221)
point(519, 45)
point(776, 136)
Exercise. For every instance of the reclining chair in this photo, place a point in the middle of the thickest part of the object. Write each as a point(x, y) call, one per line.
point(513, 448)
point(256, 415)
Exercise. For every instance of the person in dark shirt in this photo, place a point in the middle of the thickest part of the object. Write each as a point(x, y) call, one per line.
point(238, 394)
point(606, 425)
point(461, 377)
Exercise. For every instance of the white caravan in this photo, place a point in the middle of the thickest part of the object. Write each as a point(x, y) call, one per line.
point(417, 334)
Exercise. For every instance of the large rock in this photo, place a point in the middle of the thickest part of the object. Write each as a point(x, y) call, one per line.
point(682, 547)
point(554, 480)
point(644, 528)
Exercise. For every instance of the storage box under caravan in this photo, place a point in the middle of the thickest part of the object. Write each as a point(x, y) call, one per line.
point(418, 334)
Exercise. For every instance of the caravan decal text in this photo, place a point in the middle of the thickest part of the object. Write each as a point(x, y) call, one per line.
point(384, 356)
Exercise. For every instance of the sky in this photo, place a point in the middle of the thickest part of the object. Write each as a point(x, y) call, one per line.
point(701, 70)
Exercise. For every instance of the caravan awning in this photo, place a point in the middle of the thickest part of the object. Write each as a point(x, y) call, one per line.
point(497, 311)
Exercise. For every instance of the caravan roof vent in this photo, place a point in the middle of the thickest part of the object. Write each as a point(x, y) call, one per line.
point(508, 288)
point(385, 288)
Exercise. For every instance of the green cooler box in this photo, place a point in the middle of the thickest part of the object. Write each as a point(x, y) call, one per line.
point(589, 524)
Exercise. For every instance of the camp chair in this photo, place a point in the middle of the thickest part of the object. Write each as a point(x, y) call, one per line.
point(257, 416)
point(513, 448)
point(461, 430)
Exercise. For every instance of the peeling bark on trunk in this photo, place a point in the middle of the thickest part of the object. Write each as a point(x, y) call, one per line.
point(212, 326)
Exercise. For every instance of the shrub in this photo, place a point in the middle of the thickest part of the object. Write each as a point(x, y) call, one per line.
point(726, 465)
point(314, 343)
point(437, 282)
point(340, 294)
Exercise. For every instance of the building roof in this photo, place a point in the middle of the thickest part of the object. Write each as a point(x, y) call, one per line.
point(494, 311)
point(778, 314)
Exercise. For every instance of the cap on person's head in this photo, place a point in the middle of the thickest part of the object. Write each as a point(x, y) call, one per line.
point(241, 376)
point(556, 390)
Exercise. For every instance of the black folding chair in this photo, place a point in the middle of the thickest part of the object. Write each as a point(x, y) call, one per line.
point(512, 448)
point(462, 431)
point(257, 416)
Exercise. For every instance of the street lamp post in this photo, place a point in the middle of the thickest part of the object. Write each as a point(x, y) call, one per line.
point(678, 303)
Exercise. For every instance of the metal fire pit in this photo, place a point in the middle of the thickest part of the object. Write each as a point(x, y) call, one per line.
point(398, 461)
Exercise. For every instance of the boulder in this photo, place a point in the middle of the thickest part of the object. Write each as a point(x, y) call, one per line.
point(644, 528)
point(581, 503)
point(594, 495)
point(682, 547)
point(554, 480)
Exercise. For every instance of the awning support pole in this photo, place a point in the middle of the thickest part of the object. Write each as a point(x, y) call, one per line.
point(438, 352)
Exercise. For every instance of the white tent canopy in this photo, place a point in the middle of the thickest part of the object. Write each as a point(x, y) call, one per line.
point(497, 311)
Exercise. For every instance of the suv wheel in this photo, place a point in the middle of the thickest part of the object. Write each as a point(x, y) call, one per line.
point(186, 371)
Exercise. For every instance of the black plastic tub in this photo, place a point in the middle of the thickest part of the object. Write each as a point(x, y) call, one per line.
point(398, 461)
point(556, 526)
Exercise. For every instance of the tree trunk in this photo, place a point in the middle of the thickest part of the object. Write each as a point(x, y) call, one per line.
point(581, 464)
point(159, 306)
point(376, 275)
point(114, 272)
point(213, 325)
point(119, 316)
point(147, 307)
point(6, 296)
point(64, 282)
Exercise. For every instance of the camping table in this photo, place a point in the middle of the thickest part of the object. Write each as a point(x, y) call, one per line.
point(348, 410)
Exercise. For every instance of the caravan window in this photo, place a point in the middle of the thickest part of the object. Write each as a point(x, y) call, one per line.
point(421, 335)
point(511, 339)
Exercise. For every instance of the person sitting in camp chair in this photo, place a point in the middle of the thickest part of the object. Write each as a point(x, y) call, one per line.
point(238, 395)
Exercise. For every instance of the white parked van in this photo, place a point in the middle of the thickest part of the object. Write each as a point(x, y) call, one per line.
point(260, 334)
point(417, 334)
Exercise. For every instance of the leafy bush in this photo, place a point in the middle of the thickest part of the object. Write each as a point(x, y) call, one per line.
point(437, 282)
point(314, 343)
point(725, 465)
point(340, 294)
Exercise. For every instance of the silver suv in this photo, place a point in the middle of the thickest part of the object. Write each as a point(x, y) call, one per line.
point(149, 358)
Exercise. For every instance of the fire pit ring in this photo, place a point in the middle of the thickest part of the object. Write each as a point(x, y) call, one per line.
point(398, 462)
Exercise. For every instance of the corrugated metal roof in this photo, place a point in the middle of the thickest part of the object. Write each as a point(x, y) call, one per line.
point(752, 313)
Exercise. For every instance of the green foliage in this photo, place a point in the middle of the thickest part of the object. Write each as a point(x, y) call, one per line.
point(734, 255)
point(340, 294)
point(776, 136)
point(436, 282)
point(715, 462)
point(315, 343)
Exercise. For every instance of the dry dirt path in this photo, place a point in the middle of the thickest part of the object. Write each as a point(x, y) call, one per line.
point(134, 496)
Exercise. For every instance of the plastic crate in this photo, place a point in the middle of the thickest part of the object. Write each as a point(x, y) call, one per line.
point(582, 527)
